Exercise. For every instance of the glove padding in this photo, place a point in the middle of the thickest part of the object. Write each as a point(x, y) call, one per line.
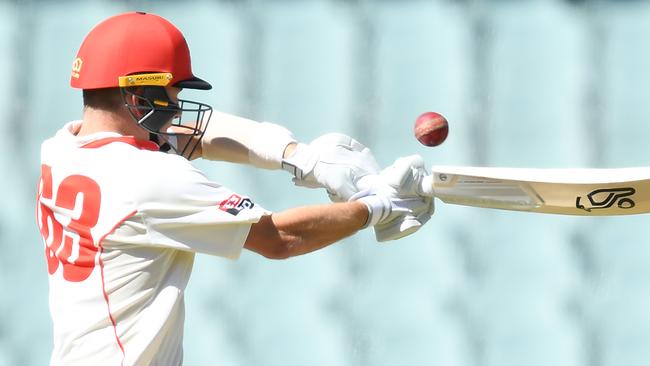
point(338, 163)
point(333, 161)
point(399, 182)
point(385, 207)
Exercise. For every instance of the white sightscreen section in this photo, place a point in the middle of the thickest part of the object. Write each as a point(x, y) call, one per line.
point(616, 307)
point(625, 86)
point(537, 82)
point(474, 286)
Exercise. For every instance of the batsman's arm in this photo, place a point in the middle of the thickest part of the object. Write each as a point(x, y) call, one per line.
point(305, 229)
point(244, 141)
point(332, 161)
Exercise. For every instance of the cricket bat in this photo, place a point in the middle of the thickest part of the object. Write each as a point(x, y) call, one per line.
point(583, 192)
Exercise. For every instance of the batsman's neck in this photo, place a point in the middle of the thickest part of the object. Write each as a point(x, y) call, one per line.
point(99, 120)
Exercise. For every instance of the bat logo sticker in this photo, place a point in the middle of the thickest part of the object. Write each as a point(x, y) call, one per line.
point(606, 198)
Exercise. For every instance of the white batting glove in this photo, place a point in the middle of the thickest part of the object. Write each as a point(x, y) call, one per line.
point(333, 161)
point(403, 178)
point(384, 206)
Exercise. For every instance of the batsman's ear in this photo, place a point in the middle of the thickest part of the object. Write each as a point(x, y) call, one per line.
point(134, 103)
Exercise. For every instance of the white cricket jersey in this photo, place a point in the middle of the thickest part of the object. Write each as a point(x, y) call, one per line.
point(121, 223)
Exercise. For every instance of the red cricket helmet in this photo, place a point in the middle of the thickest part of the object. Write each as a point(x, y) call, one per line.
point(133, 43)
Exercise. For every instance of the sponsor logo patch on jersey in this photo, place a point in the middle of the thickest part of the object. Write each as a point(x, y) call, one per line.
point(235, 204)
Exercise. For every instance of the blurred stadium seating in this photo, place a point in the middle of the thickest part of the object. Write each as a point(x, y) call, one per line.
point(544, 83)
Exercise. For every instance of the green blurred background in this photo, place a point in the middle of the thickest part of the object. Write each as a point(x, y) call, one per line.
point(545, 83)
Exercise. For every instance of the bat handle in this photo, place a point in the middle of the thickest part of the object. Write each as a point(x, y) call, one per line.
point(426, 186)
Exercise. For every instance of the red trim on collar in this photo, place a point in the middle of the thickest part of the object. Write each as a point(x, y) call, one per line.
point(140, 144)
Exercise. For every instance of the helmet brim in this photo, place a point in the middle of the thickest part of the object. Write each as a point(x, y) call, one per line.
point(193, 83)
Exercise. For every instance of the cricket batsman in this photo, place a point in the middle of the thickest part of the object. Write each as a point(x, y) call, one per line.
point(123, 212)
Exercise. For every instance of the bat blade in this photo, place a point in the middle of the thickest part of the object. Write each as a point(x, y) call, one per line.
point(583, 192)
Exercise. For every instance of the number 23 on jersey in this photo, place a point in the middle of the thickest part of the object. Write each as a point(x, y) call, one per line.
point(65, 221)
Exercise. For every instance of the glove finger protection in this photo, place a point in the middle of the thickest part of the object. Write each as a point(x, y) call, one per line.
point(403, 177)
point(398, 228)
point(405, 225)
point(333, 161)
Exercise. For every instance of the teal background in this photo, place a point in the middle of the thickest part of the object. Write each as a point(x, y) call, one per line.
point(536, 84)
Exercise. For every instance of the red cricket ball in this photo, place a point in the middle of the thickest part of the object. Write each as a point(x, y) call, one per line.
point(431, 129)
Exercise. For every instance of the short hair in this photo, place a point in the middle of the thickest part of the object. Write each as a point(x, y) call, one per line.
point(107, 99)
